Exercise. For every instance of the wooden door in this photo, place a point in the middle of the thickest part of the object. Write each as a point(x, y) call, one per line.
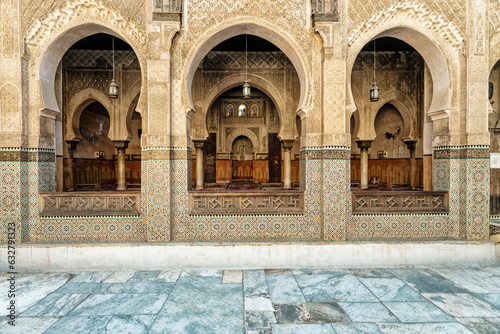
point(209, 154)
point(274, 146)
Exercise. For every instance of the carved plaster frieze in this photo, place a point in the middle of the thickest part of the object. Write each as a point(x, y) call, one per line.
point(410, 11)
point(42, 28)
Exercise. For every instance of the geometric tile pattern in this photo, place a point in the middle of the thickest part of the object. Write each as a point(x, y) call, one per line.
point(113, 229)
point(327, 214)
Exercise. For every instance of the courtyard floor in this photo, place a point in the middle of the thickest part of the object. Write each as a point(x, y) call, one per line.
point(317, 301)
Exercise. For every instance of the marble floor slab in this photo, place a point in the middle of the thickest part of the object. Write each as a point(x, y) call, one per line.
point(79, 288)
point(255, 283)
point(168, 276)
point(28, 325)
point(63, 305)
point(202, 305)
point(130, 324)
point(368, 312)
point(356, 328)
point(119, 276)
point(391, 290)
point(481, 325)
point(120, 304)
point(259, 320)
point(441, 328)
point(284, 289)
point(344, 288)
point(417, 312)
point(80, 325)
point(91, 276)
point(491, 298)
point(144, 276)
point(425, 280)
point(302, 329)
point(475, 281)
point(301, 300)
point(463, 305)
point(163, 288)
point(31, 289)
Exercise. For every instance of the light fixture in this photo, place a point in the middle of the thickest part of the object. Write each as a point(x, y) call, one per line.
point(113, 87)
point(374, 92)
point(246, 86)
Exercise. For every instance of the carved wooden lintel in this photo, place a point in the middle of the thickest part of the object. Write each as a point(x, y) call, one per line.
point(380, 202)
point(279, 202)
point(89, 203)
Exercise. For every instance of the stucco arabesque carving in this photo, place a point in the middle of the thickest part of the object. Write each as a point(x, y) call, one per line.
point(59, 18)
point(413, 11)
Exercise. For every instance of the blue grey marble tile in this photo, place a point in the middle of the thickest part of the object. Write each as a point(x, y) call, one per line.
point(491, 298)
point(202, 273)
point(202, 305)
point(28, 325)
point(63, 305)
point(80, 325)
point(119, 276)
point(258, 304)
point(356, 328)
point(163, 288)
point(472, 279)
point(91, 276)
point(392, 290)
point(129, 324)
point(424, 280)
point(284, 289)
point(313, 313)
point(368, 312)
point(168, 276)
point(463, 305)
point(315, 272)
point(368, 273)
point(346, 288)
point(255, 283)
point(120, 304)
point(144, 276)
point(441, 328)
point(41, 305)
point(481, 325)
point(82, 288)
point(31, 288)
point(417, 312)
point(302, 329)
point(259, 319)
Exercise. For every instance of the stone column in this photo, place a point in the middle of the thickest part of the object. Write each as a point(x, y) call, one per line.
point(287, 167)
point(121, 146)
point(364, 145)
point(412, 144)
point(200, 175)
point(71, 145)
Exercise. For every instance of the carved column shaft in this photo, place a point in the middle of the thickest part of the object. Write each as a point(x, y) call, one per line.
point(287, 160)
point(199, 165)
point(364, 145)
point(412, 144)
point(71, 145)
point(121, 146)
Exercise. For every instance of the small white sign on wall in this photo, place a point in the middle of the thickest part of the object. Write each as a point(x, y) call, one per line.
point(495, 160)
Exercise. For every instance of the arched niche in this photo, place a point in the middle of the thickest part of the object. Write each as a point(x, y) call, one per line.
point(430, 51)
point(251, 28)
point(57, 48)
point(199, 119)
point(241, 132)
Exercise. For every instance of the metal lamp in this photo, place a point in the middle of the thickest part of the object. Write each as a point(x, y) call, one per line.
point(113, 87)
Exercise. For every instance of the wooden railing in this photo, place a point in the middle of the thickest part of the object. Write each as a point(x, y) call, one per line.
point(380, 202)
